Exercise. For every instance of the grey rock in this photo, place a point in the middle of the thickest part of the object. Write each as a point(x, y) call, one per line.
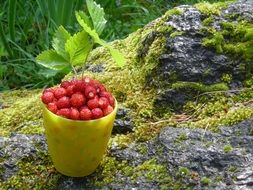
point(16, 148)
point(173, 98)
point(189, 21)
point(123, 123)
point(95, 68)
point(201, 152)
point(186, 59)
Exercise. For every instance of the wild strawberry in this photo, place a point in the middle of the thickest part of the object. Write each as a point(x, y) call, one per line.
point(111, 101)
point(90, 92)
point(79, 85)
point(108, 110)
point(70, 90)
point(92, 103)
point(103, 102)
point(48, 90)
point(87, 80)
point(65, 84)
point(105, 94)
point(97, 113)
point(85, 113)
point(52, 107)
point(63, 102)
point(100, 88)
point(60, 92)
point(108, 96)
point(77, 100)
point(47, 97)
point(65, 112)
point(74, 114)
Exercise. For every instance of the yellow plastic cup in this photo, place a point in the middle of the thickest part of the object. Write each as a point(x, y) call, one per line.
point(77, 147)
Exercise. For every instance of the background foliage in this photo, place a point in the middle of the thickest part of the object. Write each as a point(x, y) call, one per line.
point(27, 27)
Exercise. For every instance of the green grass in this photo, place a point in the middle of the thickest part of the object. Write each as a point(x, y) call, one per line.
point(27, 26)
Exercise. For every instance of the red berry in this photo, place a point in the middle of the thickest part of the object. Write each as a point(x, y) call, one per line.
point(96, 113)
point(111, 101)
point(48, 90)
point(77, 100)
point(100, 88)
point(60, 92)
point(108, 110)
point(47, 97)
point(85, 113)
point(105, 94)
point(79, 86)
point(103, 102)
point(70, 90)
point(87, 80)
point(90, 92)
point(52, 107)
point(63, 102)
point(92, 103)
point(65, 112)
point(65, 84)
point(74, 114)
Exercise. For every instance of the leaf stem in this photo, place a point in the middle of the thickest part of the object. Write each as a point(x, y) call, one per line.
point(74, 70)
point(92, 44)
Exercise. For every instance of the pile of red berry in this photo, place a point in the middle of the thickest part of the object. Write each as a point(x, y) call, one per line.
point(84, 99)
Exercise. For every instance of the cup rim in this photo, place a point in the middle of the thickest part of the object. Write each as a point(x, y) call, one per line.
point(83, 121)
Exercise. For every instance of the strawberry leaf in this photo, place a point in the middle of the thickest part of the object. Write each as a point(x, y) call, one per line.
point(78, 46)
point(59, 40)
point(52, 60)
point(97, 15)
point(86, 18)
point(88, 29)
point(117, 56)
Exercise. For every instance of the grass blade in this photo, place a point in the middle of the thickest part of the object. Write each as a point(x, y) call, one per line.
point(66, 11)
point(11, 18)
point(52, 12)
point(4, 40)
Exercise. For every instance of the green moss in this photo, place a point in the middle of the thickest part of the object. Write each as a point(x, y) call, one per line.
point(227, 148)
point(232, 169)
point(142, 148)
point(216, 41)
point(176, 33)
point(218, 178)
point(234, 39)
point(181, 137)
point(205, 181)
point(200, 87)
point(33, 173)
point(149, 169)
point(183, 171)
point(227, 78)
point(23, 112)
point(211, 9)
point(216, 109)
point(207, 21)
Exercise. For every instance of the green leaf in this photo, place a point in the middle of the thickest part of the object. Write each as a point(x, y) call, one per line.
point(117, 56)
point(78, 46)
point(88, 29)
point(97, 15)
point(85, 18)
point(52, 60)
point(60, 38)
